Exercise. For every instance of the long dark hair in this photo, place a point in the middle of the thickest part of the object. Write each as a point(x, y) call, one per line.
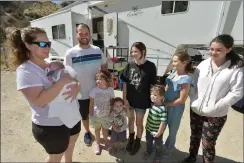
point(16, 39)
point(228, 42)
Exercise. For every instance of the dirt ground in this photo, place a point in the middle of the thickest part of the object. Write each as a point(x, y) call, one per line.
point(18, 144)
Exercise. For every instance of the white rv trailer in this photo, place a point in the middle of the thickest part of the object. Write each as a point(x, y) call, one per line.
point(161, 25)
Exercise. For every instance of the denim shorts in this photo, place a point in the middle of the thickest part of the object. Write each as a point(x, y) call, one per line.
point(139, 111)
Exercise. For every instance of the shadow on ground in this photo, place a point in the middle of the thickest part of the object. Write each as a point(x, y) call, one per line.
point(240, 110)
point(177, 156)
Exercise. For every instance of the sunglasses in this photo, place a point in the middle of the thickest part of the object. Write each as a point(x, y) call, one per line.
point(42, 44)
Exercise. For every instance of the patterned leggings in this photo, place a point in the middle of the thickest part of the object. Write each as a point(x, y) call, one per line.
point(207, 129)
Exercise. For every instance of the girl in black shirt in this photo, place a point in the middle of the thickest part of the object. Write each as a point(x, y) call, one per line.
point(138, 76)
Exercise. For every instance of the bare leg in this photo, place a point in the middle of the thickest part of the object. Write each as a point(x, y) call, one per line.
point(86, 124)
point(139, 124)
point(123, 145)
point(131, 121)
point(69, 152)
point(105, 135)
point(97, 135)
point(115, 146)
point(97, 139)
point(54, 158)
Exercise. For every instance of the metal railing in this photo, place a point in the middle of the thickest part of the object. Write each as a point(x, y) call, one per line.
point(117, 52)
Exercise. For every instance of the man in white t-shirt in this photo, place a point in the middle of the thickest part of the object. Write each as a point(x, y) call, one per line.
point(86, 60)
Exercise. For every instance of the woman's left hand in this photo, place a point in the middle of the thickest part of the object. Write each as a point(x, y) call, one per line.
point(74, 90)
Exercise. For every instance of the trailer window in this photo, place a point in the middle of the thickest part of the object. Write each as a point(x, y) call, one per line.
point(173, 7)
point(59, 31)
point(55, 32)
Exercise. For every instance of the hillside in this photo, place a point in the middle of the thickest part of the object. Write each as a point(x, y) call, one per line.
point(19, 14)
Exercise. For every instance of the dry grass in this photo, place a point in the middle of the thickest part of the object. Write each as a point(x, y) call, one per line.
point(3, 62)
point(19, 13)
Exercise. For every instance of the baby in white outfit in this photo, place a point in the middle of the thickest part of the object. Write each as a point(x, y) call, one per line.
point(66, 110)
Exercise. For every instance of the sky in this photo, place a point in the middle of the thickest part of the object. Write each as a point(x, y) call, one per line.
point(57, 1)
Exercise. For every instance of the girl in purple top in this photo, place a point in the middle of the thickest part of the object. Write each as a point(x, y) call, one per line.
point(29, 47)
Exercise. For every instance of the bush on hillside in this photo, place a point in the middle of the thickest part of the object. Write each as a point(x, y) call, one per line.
point(66, 3)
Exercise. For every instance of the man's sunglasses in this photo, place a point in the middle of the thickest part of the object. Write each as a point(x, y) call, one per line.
point(42, 44)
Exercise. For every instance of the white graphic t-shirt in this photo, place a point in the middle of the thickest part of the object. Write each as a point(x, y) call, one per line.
point(86, 63)
point(102, 99)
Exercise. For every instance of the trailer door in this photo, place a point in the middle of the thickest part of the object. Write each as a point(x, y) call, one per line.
point(110, 29)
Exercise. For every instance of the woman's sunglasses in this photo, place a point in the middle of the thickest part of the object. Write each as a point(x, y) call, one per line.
point(42, 44)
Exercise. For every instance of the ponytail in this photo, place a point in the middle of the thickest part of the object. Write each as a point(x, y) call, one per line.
point(182, 52)
point(189, 67)
point(16, 40)
point(16, 47)
point(235, 59)
point(228, 41)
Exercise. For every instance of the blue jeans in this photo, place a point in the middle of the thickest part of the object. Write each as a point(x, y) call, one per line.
point(174, 117)
point(157, 141)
